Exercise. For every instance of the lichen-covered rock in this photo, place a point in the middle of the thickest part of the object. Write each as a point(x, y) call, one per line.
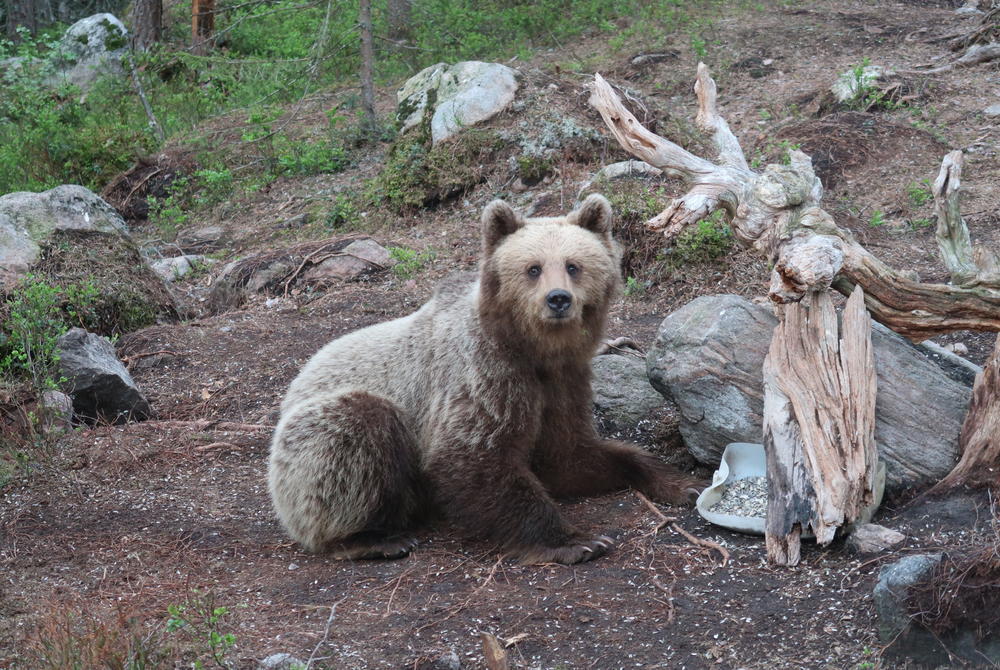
point(455, 96)
point(91, 47)
point(101, 388)
point(28, 220)
point(894, 583)
point(172, 269)
point(708, 358)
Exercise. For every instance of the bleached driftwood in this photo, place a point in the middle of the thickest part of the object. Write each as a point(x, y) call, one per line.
point(777, 213)
point(980, 438)
point(819, 422)
point(968, 266)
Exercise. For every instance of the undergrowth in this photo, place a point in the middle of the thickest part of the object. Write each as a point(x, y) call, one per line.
point(274, 53)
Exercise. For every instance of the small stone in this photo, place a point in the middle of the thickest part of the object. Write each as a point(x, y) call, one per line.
point(57, 412)
point(893, 587)
point(992, 110)
point(957, 348)
point(281, 661)
point(293, 566)
point(449, 660)
point(871, 538)
point(101, 388)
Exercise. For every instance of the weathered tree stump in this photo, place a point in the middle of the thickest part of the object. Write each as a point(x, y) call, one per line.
point(819, 422)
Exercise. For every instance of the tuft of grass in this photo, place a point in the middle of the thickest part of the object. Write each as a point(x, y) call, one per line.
point(410, 261)
point(919, 193)
point(877, 219)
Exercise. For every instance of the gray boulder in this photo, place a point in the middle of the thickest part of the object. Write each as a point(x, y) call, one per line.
point(455, 96)
point(178, 267)
point(893, 589)
point(355, 261)
point(907, 640)
point(27, 220)
point(708, 358)
point(90, 48)
point(623, 396)
point(101, 387)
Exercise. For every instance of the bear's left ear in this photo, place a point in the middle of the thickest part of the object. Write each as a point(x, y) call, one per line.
point(499, 221)
point(594, 215)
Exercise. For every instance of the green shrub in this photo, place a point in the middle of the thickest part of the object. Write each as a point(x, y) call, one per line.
point(410, 261)
point(710, 239)
point(37, 315)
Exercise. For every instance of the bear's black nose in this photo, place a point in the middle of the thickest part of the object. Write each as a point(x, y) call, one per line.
point(559, 300)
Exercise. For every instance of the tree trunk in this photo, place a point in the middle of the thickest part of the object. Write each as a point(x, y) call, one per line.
point(819, 422)
point(20, 14)
point(146, 22)
point(367, 71)
point(980, 439)
point(400, 18)
point(202, 25)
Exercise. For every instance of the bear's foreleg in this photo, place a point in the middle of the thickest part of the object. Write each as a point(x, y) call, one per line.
point(488, 495)
point(599, 466)
point(345, 476)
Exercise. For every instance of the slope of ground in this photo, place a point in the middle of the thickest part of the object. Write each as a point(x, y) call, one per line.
point(118, 524)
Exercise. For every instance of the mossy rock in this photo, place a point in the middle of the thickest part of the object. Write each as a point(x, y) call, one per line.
point(416, 175)
point(130, 295)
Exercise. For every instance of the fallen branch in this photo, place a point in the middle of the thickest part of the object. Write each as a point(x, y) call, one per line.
point(200, 425)
point(777, 213)
point(975, 54)
point(706, 545)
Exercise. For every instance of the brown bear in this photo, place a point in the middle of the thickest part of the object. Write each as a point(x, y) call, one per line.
point(477, 406)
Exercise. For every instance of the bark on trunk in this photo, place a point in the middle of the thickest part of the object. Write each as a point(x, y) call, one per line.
point(819, 422)
point(20, 14)
point(146, 21)
point(202, 25)
point(980, 439)
point(367, 69)
point(400, 18)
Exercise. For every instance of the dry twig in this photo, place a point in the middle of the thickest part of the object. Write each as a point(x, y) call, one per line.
point(707, 545)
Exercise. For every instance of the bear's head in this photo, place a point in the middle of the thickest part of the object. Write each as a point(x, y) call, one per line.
point(547, 283)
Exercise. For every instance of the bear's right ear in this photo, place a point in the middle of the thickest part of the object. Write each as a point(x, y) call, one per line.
point(499, 221)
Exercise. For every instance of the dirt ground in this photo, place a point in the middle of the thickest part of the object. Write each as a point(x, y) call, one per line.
point(117, 524)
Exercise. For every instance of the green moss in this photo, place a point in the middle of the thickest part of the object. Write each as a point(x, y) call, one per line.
point(533, 168)
point(128, 296)
point(416, 176)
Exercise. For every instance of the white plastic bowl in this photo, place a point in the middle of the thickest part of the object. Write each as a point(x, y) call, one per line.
point(741, 460)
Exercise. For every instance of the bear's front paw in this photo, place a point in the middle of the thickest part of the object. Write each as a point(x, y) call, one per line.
point(576, 550)
point(682, 494)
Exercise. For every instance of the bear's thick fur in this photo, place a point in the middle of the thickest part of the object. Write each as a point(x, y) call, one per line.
point(477, 405)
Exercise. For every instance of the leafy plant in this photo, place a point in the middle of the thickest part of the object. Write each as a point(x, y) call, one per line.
point(867, 94)
point(410, 261)
point(202, 621)
point(634, 288)
point(711, 238)
point(342, 213)
point(38, 314)
point(919, 192)
point(877, 219)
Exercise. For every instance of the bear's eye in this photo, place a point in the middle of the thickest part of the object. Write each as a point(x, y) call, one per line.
point(535, 271)
point(572, 270)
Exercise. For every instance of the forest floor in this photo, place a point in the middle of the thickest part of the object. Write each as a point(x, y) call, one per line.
point(118, 524)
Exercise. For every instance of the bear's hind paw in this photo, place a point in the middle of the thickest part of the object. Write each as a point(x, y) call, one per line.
point(577, 550)
point(367, 547)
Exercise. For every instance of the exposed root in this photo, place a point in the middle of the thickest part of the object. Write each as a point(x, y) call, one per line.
point(706, 545)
